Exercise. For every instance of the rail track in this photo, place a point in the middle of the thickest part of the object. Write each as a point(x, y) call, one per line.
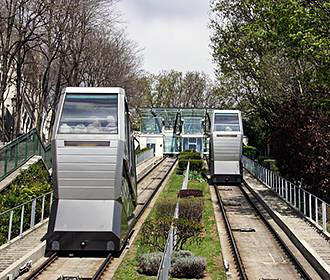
point(56, 267)
point(260, 251)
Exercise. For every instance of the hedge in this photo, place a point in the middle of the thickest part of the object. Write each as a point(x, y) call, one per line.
point(195, 164)
point(250, 151)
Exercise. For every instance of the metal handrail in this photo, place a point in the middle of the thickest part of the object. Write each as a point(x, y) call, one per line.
point(165, 264)
point(20, 205)
point(16, 153)
point(303, 201)
point(16, 219)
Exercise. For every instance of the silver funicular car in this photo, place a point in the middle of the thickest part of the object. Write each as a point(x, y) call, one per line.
point(225, 153)
point(93, 172)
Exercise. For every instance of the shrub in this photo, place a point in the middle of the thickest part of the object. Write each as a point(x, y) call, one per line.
point(188, 231)
point(191, 209)
point(270, 164)
point(189, 155)
point(181, 254)
point(250, 151)
point(165, 207)
point(154, 232)
point(195, 164)
point(195, 175)
point(149, 263)
point(188, 267)
point(190, 192)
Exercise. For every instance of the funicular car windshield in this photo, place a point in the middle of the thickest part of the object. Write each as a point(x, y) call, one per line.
point(226, 122)
point(89, 114)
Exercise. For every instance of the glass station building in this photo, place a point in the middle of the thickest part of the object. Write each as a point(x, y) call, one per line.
point(168, 131)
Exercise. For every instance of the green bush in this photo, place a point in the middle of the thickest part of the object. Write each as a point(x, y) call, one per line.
point(181, 254)
point(191, 208)
point(188, 267)
point(165, 207)
point(250, 151)
point(189, 155)
point(270, 164)
point(195, 175)
point(195, 164)
point(33, 182)
point(149, 263)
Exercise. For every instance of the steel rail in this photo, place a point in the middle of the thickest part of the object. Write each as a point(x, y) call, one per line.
point(149, 171)
point(107, 261)
point(237, 256)
point(35, 273)
point(98, 274)
point(287, 250)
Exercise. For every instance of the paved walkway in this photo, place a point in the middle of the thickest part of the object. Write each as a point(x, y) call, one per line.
point(318, 244)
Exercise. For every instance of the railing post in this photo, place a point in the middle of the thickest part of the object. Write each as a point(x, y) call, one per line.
point(294, 196)
point(286, 191)
point(16, 155)
point(10, 224)
point(316, 211)
point(6, 162)
point(43, 207)
point(304, 197)
point(324, 216)
point(50, 201)
point(310, 207)
point(22, 221)
point(33, 213)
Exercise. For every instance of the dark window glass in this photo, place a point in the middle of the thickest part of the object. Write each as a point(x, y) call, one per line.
point(89, 114)
point(226, 122)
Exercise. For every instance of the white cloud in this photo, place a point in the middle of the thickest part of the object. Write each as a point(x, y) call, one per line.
point(173, 34)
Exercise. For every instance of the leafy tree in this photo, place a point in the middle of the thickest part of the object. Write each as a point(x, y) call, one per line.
point(270, 54)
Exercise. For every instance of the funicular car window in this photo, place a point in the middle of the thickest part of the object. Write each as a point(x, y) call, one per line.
point(89, 114)
point(226, 122)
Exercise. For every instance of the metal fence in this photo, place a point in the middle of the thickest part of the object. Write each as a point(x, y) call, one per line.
point(312, 207)
point(14, 222)
point(144, 156)
point(19, 151)
point(165, 264)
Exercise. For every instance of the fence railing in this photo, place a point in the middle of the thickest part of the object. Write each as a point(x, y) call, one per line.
point(165, 264)
point(312, 207)
point(14, 222)
point(19, 151)
point(144, 156)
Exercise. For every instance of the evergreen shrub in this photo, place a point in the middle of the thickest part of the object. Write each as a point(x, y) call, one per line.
point(188, 267)
point(149, 263)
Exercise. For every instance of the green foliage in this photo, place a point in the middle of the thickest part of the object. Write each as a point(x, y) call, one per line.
point(273, 60)
point(191, 209)
point(189, 155)
point(250, 151)
point(195, 164)
point(188, 267)
point(149, 263)
point(32, 183)
point(165, 207)
point(197, 176)
point(270, 164)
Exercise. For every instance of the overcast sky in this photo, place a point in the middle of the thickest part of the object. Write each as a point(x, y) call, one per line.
point(172, 34)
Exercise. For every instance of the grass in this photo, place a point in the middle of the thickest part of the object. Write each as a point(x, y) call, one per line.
point(209, 247)
point(128, 268)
